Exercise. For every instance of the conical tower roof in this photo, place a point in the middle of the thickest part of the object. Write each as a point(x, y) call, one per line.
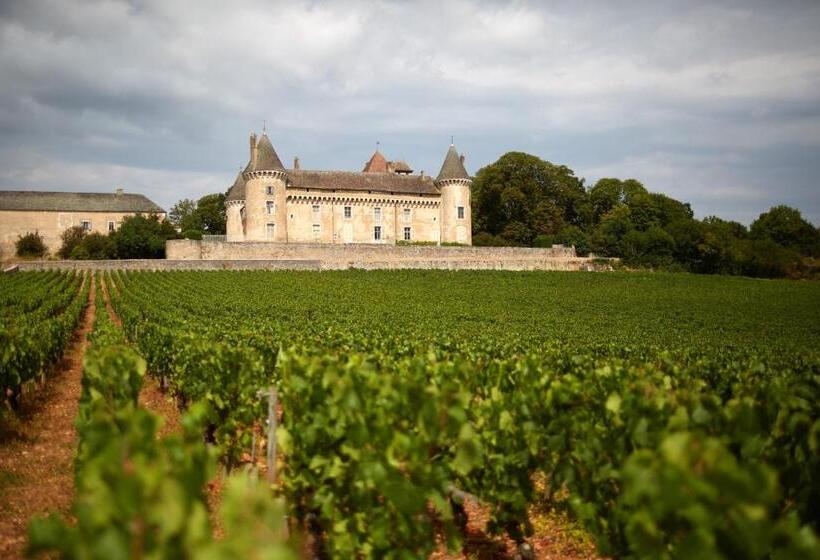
point(452, 168)
point(237, 190)
point(266, 158)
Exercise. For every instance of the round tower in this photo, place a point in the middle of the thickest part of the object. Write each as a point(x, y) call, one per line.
point(235, 210)
point(265, 198)
point(456, 215)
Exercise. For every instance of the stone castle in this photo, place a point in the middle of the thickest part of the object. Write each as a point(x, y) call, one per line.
point(384, 203)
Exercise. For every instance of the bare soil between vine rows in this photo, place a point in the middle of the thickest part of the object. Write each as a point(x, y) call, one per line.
point(37, 445)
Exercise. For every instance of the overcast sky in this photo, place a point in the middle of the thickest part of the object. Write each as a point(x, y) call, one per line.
point(714, 104)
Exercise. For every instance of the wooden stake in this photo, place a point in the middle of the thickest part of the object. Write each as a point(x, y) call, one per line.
point(272, 398)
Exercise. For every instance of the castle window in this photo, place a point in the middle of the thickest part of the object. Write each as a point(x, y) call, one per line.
point(460, 212)
point(406, 215)
point(86, 225)
point(110, 225)
point(317, 232)
point(377, 233)
point(348, 212)
point(377, 214)
point(269, 190)
point(315, 211)
point(269, 206)
point(270, 231)
point(407, 234)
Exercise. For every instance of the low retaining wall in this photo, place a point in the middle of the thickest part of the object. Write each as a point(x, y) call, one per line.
point(198, 255)
point(160, 264)
point(387, 256)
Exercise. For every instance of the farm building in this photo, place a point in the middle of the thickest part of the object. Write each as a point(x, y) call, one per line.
point(51, 213)
point(384, 203)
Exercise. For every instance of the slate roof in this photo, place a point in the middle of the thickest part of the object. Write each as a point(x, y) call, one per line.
point(237, 190)
point(77, 202)
point(363, 181)
point(452, 168)
point(266, 158)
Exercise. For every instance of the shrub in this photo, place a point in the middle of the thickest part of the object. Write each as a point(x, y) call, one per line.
point(195, 234)
point(485, 239)
point(31, 245)
point(94, 246)
point(414, 243)
point(143, 237)
point(71, 238)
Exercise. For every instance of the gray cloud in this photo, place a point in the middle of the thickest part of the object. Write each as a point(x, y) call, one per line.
point(716, 104)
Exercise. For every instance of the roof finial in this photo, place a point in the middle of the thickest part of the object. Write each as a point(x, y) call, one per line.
point(377, 145)
point(264, 123)
point(452, 140)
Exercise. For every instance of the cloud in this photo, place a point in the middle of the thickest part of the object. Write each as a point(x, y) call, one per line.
point(714, 103)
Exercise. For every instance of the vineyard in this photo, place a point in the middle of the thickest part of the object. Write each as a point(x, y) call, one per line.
point(672, 416)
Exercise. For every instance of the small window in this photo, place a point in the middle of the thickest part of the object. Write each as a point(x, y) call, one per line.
point(460, 212)
point(270, 231)
point(407, 215)
point(377, 214)
point(348, 212)
point(377, 233)
point(110, 226)
point(269, 206)
point(315, 211)
point(86, 225)
point(269, 190)
point(317, 232)
point(407, 234)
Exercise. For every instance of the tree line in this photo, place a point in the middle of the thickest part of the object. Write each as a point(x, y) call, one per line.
point(522, 200)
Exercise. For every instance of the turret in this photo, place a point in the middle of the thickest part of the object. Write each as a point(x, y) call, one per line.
point(265, 206)
point(235, 210)
point(454, 183)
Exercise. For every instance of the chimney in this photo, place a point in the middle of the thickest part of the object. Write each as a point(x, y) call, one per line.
point(254, 149)
point(461, 159)
point(119, 191)
point(296, 163)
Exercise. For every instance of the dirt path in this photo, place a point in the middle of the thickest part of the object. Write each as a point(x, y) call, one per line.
point(37, 448)
point(151, 396)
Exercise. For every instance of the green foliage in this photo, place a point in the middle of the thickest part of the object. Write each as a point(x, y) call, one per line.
point(212, 213)
point(94, 246)
point(137, 496)
point(521, 196)
point(70, 238)
point(786, 227)
point(668, 413)
point(142, 237)
point(207, 215)
point(40, 311)
point(525, 201)
point(31, 245)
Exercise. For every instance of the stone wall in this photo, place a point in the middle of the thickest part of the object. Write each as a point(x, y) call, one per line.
point(374, 256)
point(197, 255)
point(160, 264)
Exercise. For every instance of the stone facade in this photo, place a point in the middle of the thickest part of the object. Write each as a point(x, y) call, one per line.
point(382, 204)
point(22, 212)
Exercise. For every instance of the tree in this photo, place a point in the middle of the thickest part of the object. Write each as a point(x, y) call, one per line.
point(521, 196)
point(180, 211)
point(207, 215)
point(786, 227)
point(142, 237)
point(212, 214)
point(31, 245)
point(71, 238)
